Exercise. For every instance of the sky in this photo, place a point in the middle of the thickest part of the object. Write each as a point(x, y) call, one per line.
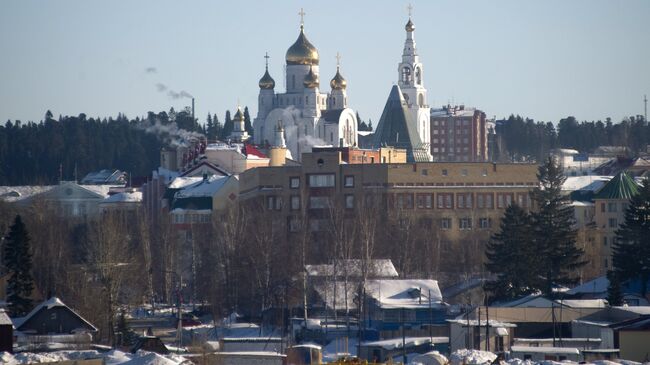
point(540, 59)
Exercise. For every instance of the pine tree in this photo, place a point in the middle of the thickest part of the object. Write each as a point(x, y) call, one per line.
point(247, 122)
point(631, 251)
point(553, 229)
point(218, 128)
point(209, 132)
point(227, 127)
point(614, 291)
point(18, 262)
point(511, 256)
point(370, 125)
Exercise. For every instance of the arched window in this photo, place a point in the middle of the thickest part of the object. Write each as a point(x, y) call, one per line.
point(418, 76)
point(420, 100)
point(406, 75)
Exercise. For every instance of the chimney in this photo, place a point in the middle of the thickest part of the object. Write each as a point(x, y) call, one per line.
point(193, 109)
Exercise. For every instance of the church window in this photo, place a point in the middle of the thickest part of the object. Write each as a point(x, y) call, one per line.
point(333, 101)
point(331, 137)
point(406, 75)
point(293, 81)
point(418, 76)
point(306, 99)
point(421, 100)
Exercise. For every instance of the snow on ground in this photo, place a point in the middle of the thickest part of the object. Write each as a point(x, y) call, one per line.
point(471, 357)
point(113, 357)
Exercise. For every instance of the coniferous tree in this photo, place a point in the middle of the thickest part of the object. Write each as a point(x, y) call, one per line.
point(18, 262)
point(247, 122)
point(614, 291)
point(553, 229)
point(631, 251)
point(209, 130)
point(218, 127)
point(511, 256)
point(370, 125)
point(227, 127)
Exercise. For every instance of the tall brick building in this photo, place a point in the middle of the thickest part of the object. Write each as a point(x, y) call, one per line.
point(459, 134)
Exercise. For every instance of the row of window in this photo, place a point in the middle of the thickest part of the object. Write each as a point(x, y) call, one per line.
point(274, 202)
point(191, 218)
point(460, 200)
point(442, 122)
point(465, 223)
point(321, 181)
point(612, 207)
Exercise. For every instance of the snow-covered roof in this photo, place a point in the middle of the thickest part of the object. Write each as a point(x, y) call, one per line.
point(538, 301)
point(404, 293)
point(642, 310)
point(333, 293)
point(193, 211)
point(396, 343)
point(49, 304)
point(203, 188)
point(181, 182)
point(595, 286)
point(125, 197)
point(591, 183)
point(482, 323)
point(376, 268)
point(545, 350)
point(16, 193)
point(4, 318)
point(583, 303)
point(105, 177)
point(102, 190)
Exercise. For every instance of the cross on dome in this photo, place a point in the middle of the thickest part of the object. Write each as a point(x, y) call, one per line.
point(302, 16)
point(410, 9)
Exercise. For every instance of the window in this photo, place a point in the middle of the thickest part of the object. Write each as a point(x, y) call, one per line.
point(444, 171)
point(523, 200)
point(504, 200)
point(406, 75)
point(464, 200)
point(463, 172)
point(321, 180)
point(424, 201)
point(605, 241)
point(349, 201)
point(295, 202)
point(484, 223)
point(602, 207)
point(613, 223)
point(611, 207)
point(424, 172)
point(294, 182)
point(349, 182)
point(445, 201)
point(404, 201)
point(484, 201)
point(445, 223)
point(465, 223)
point(270, 202)
point(319, 202)
point(294, 224)
point(484, 172)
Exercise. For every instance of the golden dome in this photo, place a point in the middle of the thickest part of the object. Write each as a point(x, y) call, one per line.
point(302, 52)
point(267, 82)
point(311, 80)
point(338, 82)
point(239, 116)
point(409, 26)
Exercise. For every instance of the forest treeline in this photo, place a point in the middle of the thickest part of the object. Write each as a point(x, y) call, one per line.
point(524, 139)
point(69, 147)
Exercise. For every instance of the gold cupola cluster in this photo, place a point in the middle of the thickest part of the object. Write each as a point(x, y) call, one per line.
point(302, 52)
point(311, 80)
point(338, 82)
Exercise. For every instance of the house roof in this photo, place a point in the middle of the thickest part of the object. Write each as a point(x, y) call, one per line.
point(105, 177)
point(4, 318)
point(205, 166)
point(376, 268)
point(641, 324)
point(622, 186)
point(203, 188)
point(397, 128)
point(482, 323)
point(46, 305)
point(332, 115)
point(404, 293)
point(251, 151)
point(125, 197)
point(595, 286)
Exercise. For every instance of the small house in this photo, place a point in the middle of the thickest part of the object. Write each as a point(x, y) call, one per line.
point(538, 354)
point(6, 332)
point(473, 334)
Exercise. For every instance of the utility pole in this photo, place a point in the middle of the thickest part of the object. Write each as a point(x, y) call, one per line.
point(645, 108)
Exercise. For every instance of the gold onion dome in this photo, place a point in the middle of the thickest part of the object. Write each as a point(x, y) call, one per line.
point(239, 115)
point(302, 52)
point(311, 80)
point(409, 26)
point(338, 82)
point(267, 82)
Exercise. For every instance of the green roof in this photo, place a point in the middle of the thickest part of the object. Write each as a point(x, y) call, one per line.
point(622, 186)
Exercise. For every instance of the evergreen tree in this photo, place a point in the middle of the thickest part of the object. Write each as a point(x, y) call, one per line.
point(511, 256)
point(247, 122)
point(614, 291)
point(553, 229)
point(128, 337)
point(218, 128)
point(18, 262)
point(370, 125)
point(227, 127)
point(631, 251)
point(209, 131)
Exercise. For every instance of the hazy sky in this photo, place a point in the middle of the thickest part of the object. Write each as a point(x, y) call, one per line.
point(541, 59)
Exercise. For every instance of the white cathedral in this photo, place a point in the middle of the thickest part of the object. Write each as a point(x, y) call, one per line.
point(310, 117)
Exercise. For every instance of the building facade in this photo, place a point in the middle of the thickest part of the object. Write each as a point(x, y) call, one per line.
point(459, 134)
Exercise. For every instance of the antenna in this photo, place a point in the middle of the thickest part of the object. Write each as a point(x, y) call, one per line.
point(645, 108)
